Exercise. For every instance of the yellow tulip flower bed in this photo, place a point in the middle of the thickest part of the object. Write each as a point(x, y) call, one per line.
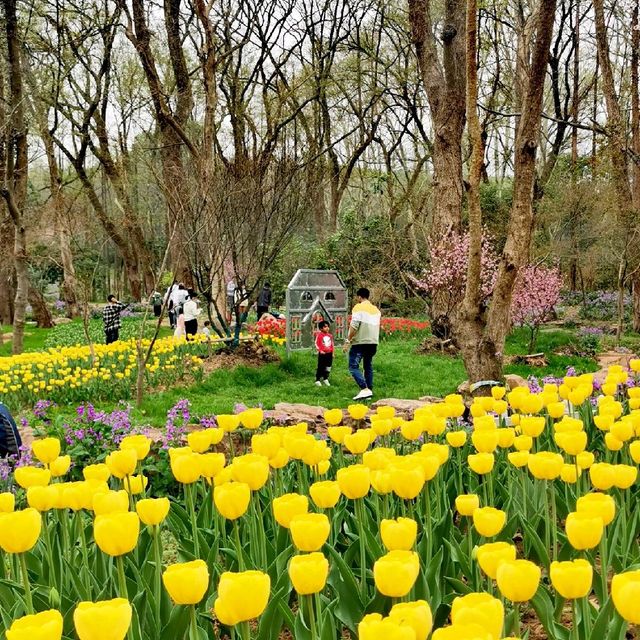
point(388, 528)
point(74, 374)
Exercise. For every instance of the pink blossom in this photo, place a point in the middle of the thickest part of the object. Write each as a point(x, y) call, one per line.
point(535, 294)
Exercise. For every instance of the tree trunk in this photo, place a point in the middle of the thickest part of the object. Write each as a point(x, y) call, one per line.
point(15, 175)
point(41, 313)
point(635, 145)
point(636, 302)
point(7, 273)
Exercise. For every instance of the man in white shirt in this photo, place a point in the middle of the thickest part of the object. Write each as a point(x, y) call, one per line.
point(231, 299)
point(191, 312)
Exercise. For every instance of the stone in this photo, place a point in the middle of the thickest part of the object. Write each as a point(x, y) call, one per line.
point(292, 413)
point(404, 408)
point(610, 358)
point(512, 380)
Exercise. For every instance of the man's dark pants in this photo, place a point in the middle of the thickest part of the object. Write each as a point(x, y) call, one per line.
point(362, 353)
point(111, 335)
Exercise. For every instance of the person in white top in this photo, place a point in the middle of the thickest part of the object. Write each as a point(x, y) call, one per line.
point(191, 312)
point(231, 299)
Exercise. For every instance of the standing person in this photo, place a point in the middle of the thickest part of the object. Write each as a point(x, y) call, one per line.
point(10, 440)
point(168, 299)
point(231, 299)
point(324, 346)
point(264, 300)
point(191, 313)
point(362, 342)
point(111, 319)
point(156, 301)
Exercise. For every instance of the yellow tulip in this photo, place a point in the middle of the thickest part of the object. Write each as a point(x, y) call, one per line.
point(518, 459)
point(395, 573)
point(215, 435)
point(241, 596)
point(585, 459)
point(440, 451)
point(46, 450)
point(111, 502)
point(466, 504)
point(604, 422)
point(622, 430)
point(569, 473)
point(43, 498)
point(32, 477)
point(488, 521)
point(572, 443)
point(479, 608)
point(374, 627)
point(624, 476)
point(518, 580)
point(354, 481)
point(481, 463)
point(571, 579)
point(46, 625)
point(228, 423)
point(140, 443)
point(280, 460)
point(265, 444)
point(19, 530)
point(523, 443)
point(199, 441)
point(497, 393)
point(136, 484)
point(598, 504)
point(485, 440)
point(556, 409)
point(506, 436)
point(309, 531)
point(381, 426)
point(612, 443)
point(251, 418)
point(602, 475)
point(308, 573)
point(153, 511)
point(584, 529)
point(378, 458)
point(252, 469)
point(381, 481)
point(325, 494)
point(545, 465)
point(60, 466)
point(416, 615)
point(116, 533)
point(532, 426)
point(186, 582)
point(338, 434)
point(386, 412)
point(333, 417)
point(232, 499)
point(211, 464)
point(407, 479)
point(634, 451)
point(412, 429)
point(97, 472)
point(625, 591)
point(428, 462)
point(186, 468)
point(358, 411)
point(456, 438)
point(122, 463)
point(7, 502)
point(106, 620)
point(287, 506)
point(357, 442)
point(492, 554)
point(398, 534)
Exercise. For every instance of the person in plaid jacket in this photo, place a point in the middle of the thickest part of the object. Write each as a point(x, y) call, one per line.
point(111, 319)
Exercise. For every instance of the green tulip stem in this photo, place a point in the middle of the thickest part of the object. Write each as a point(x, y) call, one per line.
point(193, 624)
point(312, 619)
point(48, 550)
point(516, 620)
point(574, 625)
point(245, 633)
point(188, 490)
point(25, 583)
point(603, 567)
point(122, 581)
point(157, 555)
point(523, 482)
point(236, 532)
point(428, 523)
point(554, 528)
point(318, 605)
point(85, 555)
point(127, 480)
point(359, 504)
point(233, 455)
point(3, 569)
point(459, 466)
point(547, 519)
point(586, 615)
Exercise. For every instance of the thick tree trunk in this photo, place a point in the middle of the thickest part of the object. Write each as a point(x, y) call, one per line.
point(7, 273)
point(636, 302)
point(635, 144)
point(41, 313)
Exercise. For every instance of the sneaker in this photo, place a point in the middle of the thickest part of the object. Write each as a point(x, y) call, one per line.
point(364, 393)
point(318, 383)
point(327, 383)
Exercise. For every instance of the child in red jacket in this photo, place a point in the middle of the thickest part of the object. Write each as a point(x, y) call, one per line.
point(324, 346)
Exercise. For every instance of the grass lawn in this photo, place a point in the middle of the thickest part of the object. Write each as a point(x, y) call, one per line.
point(399, 372)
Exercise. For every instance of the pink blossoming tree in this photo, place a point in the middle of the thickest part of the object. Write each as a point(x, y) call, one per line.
point(536, 292)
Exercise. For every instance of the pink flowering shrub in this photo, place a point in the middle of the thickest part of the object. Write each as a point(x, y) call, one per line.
point(535, 294)
point(446, 276)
